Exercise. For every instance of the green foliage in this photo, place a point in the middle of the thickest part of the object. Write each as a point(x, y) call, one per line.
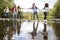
point(57, 9)
point(4, 3)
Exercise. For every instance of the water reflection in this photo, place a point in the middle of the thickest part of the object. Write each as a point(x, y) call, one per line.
point(8, 30)
point(2, 32)
point(19, 27)
point(45, 33)
point(34, 32)
point(24, 30)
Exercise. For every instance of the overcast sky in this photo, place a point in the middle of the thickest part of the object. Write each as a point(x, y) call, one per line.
point(39, 3)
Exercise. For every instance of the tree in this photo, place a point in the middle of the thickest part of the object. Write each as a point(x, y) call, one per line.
point(57, 9)
point(4, 3)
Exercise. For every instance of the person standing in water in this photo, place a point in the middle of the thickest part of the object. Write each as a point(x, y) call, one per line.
point(46, 10)
point(14, 11)
point(34, 10)
point(7, 12)
point(19, 12)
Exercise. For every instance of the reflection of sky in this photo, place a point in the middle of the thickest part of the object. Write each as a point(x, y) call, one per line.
point(39, 3)
point(26, 28)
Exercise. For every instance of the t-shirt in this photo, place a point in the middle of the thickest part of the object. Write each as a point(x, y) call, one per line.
point(46, 9)
point(19, 10)
point(14, 10)
point(7, 10)
point(34, 8)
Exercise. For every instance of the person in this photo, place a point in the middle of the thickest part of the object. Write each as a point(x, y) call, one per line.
point(7, 12)
point(46, 9)
point(19, 12)
point(14, 11)
point(35, 10)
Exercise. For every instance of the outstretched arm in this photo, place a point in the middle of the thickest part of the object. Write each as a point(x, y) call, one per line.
point(38, 8)
point(22, 8)
point(30, 8)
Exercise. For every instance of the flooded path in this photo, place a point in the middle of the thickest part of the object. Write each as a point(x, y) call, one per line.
point(29, 30)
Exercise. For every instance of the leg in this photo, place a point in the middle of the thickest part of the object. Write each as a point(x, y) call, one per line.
point(4, 15)
point(16, 16)
point(8, 14)
point(13, 15)
point(34, 16)
point(37, 15)
point(45, 14)
point(20, 15)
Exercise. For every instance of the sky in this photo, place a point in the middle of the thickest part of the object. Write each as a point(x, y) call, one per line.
point(39, 3)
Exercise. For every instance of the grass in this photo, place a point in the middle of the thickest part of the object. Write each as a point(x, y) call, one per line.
point(29, 16)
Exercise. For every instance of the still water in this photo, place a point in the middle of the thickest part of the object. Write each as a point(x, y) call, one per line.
point(29, 30)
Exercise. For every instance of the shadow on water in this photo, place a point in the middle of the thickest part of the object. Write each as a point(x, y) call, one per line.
point(11, 29)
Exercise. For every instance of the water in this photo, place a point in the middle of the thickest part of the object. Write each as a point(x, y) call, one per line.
point(33, 30)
